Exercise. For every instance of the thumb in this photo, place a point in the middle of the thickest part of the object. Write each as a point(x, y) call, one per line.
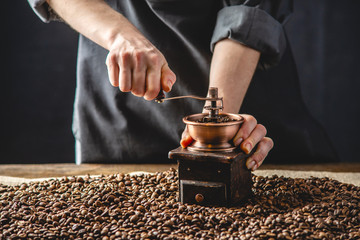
point(186, 139)
point(168, 78)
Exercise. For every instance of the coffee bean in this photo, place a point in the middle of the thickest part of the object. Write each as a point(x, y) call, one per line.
point(134, 218)
point(57, 205)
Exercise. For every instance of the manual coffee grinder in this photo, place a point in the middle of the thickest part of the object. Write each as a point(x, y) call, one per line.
point(211, 169)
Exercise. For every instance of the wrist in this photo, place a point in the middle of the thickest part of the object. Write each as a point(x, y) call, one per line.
point(122, 31)
point(128, 35)
point(113, 38)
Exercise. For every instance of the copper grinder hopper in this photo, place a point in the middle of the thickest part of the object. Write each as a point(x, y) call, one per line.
point(211, 169)
point(213, 136)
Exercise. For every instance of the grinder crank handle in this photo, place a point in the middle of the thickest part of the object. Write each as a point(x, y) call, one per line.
point(161, 97)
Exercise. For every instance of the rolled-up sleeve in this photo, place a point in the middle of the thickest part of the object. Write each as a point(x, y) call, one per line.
point(44, 12)
point(254, 27)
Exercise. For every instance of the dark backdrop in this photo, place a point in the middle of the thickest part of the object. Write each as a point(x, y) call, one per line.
point(38, 79)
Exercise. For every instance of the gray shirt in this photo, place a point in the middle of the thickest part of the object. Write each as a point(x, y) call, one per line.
point(115, 127)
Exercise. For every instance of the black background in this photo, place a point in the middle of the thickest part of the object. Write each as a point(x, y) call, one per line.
point(39, 70)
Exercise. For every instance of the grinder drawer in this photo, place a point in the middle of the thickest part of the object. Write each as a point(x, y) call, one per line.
point(203, 193)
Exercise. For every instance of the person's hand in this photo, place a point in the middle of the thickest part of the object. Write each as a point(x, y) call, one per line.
point(136, 66)
point(249, 135)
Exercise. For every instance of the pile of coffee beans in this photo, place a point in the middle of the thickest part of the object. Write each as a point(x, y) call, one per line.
point(145, 207)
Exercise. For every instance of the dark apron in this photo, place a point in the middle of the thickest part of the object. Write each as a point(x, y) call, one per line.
point(274, 98)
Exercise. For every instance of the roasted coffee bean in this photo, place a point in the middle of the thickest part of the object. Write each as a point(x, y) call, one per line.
point(145, 207)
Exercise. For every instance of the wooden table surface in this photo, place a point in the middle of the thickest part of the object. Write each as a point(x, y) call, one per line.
point(67, 169)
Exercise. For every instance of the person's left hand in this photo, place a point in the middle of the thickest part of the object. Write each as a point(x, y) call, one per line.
point(249, 135)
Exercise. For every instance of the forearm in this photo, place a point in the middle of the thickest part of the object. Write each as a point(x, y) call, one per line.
point(232, 68)
point(95, 19)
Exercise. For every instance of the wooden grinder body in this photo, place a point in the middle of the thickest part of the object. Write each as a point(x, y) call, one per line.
point(212, 178)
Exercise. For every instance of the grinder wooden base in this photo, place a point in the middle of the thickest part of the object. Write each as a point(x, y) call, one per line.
point(212, 178)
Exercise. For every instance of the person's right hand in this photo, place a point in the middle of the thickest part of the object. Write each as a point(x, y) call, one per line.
point(136, 66)
point(133, 63)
